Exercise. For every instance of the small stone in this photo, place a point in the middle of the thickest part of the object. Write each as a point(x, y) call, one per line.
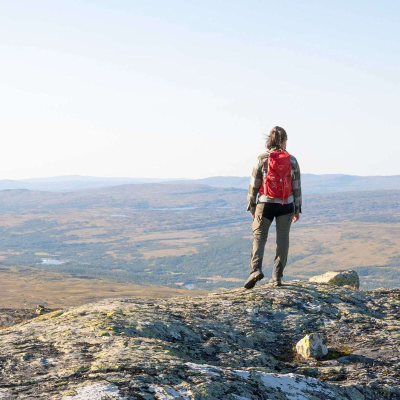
point(312, 346)
point(338, 278)
point(40, 309)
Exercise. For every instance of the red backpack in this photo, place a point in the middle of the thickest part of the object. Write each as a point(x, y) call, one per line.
point(277, 182)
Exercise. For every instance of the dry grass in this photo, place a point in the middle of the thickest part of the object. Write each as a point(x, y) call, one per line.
point(168, 252)
point(220, 279)
point(347, 245)
point(170, 235)
point(25, 287)
point(86, 233)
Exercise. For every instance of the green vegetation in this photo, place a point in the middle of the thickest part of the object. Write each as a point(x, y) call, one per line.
point(193, 235)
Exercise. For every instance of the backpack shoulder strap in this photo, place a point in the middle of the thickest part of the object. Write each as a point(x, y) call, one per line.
point(266, 160)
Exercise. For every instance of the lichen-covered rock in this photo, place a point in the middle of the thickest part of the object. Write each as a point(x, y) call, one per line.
point(312, 346)
point(338, 278)
point(230, 345)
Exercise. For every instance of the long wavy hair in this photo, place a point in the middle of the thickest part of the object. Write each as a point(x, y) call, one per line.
point(276, 138)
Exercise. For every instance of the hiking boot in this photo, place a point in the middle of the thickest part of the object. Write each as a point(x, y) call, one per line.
point(275, 282)
point(253, 278)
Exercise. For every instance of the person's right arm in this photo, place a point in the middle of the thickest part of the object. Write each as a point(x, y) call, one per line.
point(255, 183)
point(296, 185)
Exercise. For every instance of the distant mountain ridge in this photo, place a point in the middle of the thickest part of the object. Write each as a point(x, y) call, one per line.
point(311, 183)
point(71, 183)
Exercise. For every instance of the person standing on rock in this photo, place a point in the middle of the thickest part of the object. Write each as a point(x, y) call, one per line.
point(274, 192)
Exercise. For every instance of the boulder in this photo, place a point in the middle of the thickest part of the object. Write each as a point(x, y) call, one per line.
point(312, 346)
point(338, 278)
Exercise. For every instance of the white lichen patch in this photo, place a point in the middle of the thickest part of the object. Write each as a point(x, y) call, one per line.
point(179, 393)
point(169, 393)
point(160, 393)
point(295, 386)
point(99, 391)
point(262, 320)
point(5, 394)
point(242, 374)
point(252, 311)
point(48, 361)
point(239, 397)
point(311, 306)
point(205, 369)
point(175, 335)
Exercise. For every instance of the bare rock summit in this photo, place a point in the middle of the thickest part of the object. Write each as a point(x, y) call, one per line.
point(231, 345)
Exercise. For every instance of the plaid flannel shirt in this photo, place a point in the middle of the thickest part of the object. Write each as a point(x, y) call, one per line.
point(257, 177)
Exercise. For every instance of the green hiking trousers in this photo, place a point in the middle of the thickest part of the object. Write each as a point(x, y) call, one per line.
point(263, 218)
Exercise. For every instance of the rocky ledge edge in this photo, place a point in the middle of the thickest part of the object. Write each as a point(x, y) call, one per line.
point(232, 345)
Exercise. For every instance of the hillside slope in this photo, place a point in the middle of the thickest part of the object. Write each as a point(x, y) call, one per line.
point(232, 345)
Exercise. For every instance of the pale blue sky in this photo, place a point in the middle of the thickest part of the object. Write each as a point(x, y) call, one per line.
point(176, 89)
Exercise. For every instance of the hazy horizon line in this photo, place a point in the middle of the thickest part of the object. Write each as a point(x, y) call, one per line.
point(83, 177)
